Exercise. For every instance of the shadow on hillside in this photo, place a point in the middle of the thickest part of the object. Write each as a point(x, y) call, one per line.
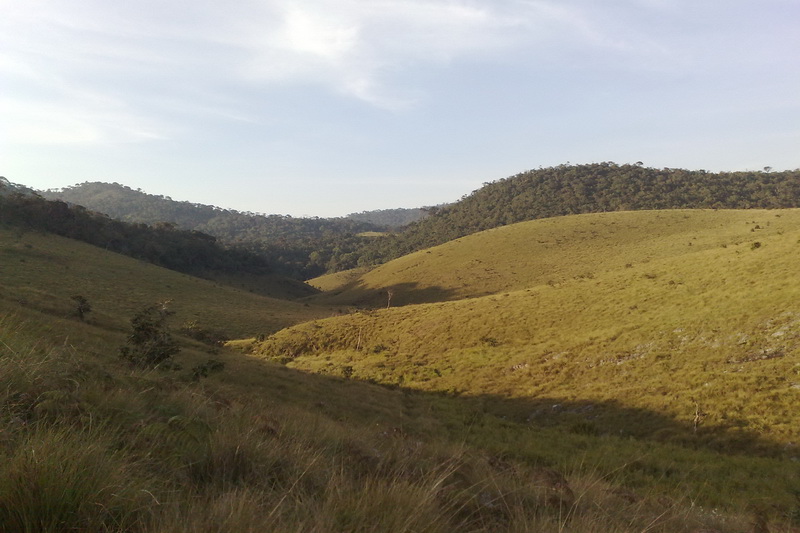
point(610, 418)
point(396, 295)
point(269, 285)
point(582, 419)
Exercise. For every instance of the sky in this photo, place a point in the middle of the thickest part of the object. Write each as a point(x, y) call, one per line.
point(329, 107)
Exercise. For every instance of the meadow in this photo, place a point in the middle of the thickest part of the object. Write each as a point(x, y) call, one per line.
point(502, 412)
point(675, 327)
point(549, 251)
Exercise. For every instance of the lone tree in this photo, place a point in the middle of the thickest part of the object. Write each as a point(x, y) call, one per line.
point(150, 344)
point(82, 306)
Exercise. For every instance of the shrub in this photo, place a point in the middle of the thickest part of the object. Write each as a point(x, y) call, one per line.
point(82, 306)
point(150, 344)
point(209, 367)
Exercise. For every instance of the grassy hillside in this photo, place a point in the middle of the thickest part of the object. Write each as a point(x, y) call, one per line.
point(593, 188)
point(691, 336)
point(337, 281)
point(307, 247)
point(43, 271)
point(88, 443)
point(551, 252)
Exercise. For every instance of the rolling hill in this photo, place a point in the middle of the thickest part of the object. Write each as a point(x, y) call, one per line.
point(296, 247)
point(625, 371)
point(549, 252)
point(43, 271)
point(89, 443)
point(592, 188)
point(691, 314)
point(307, 247)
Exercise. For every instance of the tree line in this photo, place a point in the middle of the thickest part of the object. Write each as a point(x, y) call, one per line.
point(591, 188)
point(162, 244)
point(306, 247)
point(300, 248)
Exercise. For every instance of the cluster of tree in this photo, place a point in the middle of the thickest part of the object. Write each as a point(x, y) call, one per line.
point(162, 244)
point(6, 188)
point(601, 187)
point(296, 247)
point(391, 218)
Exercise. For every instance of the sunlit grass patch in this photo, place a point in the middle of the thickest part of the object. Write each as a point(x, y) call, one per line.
point(556, 251)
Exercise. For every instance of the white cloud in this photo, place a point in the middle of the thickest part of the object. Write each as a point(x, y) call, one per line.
point(73, 58)
point(361, 48)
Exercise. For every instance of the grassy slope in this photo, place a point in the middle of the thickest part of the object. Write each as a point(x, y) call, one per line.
point(86, 443)
point(43, 271)
point(263, 445)
point(337, 280)
point(636, 338)
point(552, 251)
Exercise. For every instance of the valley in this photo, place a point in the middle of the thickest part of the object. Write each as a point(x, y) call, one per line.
point(613, 371)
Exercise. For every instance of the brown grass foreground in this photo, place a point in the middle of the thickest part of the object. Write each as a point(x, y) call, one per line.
point(88, 444)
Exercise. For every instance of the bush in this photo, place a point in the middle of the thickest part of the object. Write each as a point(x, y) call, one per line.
point(207, 368)
point(82, 306)
point(150, 344)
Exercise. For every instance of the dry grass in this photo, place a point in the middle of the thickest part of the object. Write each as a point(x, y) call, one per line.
point(552, 251)
point(714, 333)
point(88, 443)
point(337, 280)
point(124, 450)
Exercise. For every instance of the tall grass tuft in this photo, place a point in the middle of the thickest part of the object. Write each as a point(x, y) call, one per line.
point(63, 479)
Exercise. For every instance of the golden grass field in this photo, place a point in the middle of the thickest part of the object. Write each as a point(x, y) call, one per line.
point(550, 251)
point(677, 326)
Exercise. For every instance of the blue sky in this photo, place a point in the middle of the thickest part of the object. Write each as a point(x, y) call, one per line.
point(324, 108)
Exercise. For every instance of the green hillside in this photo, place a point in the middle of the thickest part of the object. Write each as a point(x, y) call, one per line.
point(296, 247)
point(391, 218)
point(307, 247)
point(550, 252)
point(43, 271)
point(592, 188)
point(336, 281)
point(699, 316)
point(89, 443)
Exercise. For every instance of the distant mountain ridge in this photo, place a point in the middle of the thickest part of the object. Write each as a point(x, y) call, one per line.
point(308, 247)
point(298, 247)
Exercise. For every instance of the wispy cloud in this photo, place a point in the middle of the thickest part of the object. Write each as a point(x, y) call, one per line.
point(111, 70)
point(353, 47)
